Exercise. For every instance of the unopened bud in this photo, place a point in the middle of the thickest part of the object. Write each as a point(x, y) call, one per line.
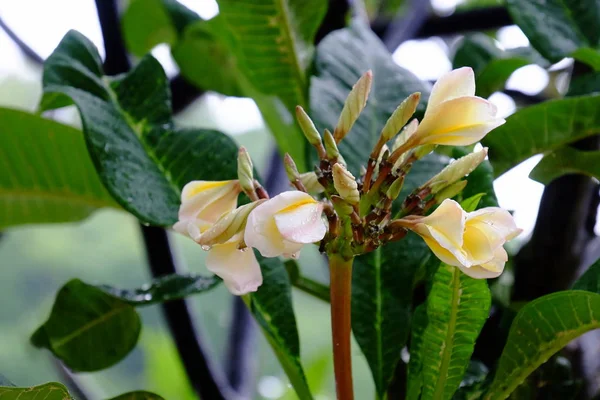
point(341, 207)
point(228, 225)
point(394, 190)
point(400, 116)
point(330, 146)
point(450, 191)
point(245, 171)
point(345, 184)
point(456, 170)
point(308, 127)
point(290, 168)
point(311, 182)
point(355, 103)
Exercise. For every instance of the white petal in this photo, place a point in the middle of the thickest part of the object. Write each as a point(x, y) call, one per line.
point(239, 269)
point(457, 83)
point(459, 122)
point(302, 224)
point(488, 270)
point(262, 233)
point(497, 218)
point(208, 200)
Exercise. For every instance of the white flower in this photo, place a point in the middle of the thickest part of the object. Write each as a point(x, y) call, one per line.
point(283, 224)
point(454, 115)
point(203, 203)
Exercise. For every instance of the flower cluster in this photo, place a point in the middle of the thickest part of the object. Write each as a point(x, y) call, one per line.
point(358, 211)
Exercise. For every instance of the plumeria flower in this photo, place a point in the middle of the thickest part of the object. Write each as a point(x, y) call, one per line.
point(203, 203)
point(283, 224)
point(454, 115)
point(470, 241)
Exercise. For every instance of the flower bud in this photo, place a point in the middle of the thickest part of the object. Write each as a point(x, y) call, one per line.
point(394, 191)
point(400, 116)
point(450, 191)
point(311, 182)
point(245, 171)
point(406, 133)
point(290, 168)
point(456, 170)
point(355, 103)
point(228, 225)
point(345, 184)
point(330, 146)
point(308, 127)
point(341, 207)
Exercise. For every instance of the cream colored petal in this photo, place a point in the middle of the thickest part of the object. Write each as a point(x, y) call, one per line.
point(441, 253)
point(480, 244)
point(457, 83)
point(302, 224)
point(208, 200)
point(448, 220)
point(458, 122)
point(498, 219)
point(491, 269)
point(239, 269)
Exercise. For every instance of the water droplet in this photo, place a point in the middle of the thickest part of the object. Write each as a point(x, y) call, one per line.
point(205, 247)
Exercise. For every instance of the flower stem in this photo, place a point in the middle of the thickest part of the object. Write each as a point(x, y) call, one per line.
point(340, 290)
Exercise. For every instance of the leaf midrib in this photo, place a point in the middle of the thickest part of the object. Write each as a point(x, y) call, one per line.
point(447, 352)
point(79, 331)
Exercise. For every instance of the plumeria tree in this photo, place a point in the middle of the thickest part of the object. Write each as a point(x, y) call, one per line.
point(385, 178)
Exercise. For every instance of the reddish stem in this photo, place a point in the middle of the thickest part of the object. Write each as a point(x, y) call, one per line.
point(340, 291)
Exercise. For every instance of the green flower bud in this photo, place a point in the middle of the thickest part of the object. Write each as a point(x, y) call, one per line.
point(245, 171)
point(308, 127)
point(450, 191)
point(355, 103)
point(311, 182)
point(330, 146)
point(290, 168)
point(345, 184)
point(456, 170)
point(400, 116)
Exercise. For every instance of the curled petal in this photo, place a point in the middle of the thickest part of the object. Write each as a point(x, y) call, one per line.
point(457, 83)
point(208, 200)
point(282, 224)
point(491, 269)
point(239, 269)
point(458, 122)
point(498, 219)
point(445, 227)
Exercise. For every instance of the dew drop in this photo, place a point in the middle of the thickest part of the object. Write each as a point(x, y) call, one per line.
point(205, 247)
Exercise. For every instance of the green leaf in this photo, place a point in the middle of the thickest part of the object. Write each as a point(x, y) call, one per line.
point(414, 381)
point(589, 56)
point(147, 23)
point(540, 329)
point(492, 66)
point(584, 84)
point(47, 174)
point(166, 288)
point(275, 43)
point(542, 128)
point(272, 308)
point(142, 159)
point(590, 280)
point(5, 382)
point(566, 160)
point(48, 391)
point(141, 395)
point(557, 28)
point(342, 57)
point(88, 329)
point(457, 308)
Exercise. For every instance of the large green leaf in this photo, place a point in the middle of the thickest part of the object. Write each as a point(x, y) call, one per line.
point(590, 280)
point(457, 308)
point(138, 396)
point(272, 308)
point(275, 43)
point(48, 391)
point(414, 380)
point(142, 159)
point(566, 160)
point(557, 28)
point(88, 329)
point(5, 382)
point(492, 66)
point(342, 57)
point(540, 329)
point(47, 174)
point(542, 128)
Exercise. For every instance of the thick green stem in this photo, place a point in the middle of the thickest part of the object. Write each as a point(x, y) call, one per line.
point(340, 291)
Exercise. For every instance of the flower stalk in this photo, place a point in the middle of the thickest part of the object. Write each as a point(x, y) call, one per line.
point(340, 291)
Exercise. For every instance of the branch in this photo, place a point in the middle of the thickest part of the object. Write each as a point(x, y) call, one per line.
point(28, 51)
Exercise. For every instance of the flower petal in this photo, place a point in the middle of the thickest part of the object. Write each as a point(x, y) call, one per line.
point(457, 83)
point(239, 269)
point(491, 269)
point(480, 244)
point(500, 220)
point(458, 122)
point(208, 200)
point(302, 224)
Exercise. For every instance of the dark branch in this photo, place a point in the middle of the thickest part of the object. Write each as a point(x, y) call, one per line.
point(117, 59)
point(183, 93)
point(28, 51)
